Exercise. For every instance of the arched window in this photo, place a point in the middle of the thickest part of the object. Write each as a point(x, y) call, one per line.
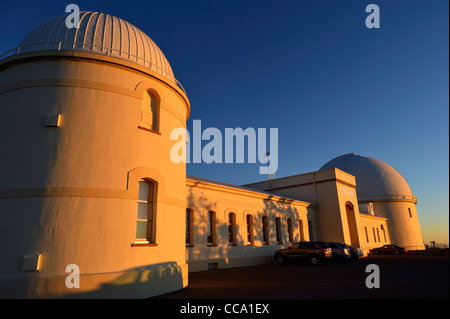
point(265, 228)
point(367, 234)
point(351, 222)
point(290, 234)
point(250, 237)
point(145, 220)
point(278, 229)
point(149, 112)
point(211, 228)
point(409, 211)
point(189, 227)
point(232, 229)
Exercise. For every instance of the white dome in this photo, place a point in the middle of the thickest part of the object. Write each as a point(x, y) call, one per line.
point(102, 34)
point(374, 178)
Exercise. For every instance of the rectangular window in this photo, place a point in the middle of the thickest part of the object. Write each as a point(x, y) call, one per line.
point(250, 237)
point(189, 227)
point(367, 234)
point(232, 229)
point(290, 234)
point(211, 228)
point(265, 227)
point(300, 228)
point(145, 212)
point(384, 232)
point(310, 230)
point(278, 229)
point(409, 211)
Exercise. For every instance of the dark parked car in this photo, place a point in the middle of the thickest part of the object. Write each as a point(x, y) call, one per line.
point(313, 252)
point(355, 252)
point(339, 251)
point(389, 249)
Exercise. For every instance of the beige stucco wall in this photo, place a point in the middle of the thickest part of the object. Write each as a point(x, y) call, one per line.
point(331, 190)
point(69, 193)
point(374, 232)
point(209, 196)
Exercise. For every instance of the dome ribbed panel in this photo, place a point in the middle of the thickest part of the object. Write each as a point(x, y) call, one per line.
point(99, 33)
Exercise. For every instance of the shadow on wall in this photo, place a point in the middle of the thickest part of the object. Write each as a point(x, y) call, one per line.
point(284, 210)
point(203, 252)
point(224, 253)
point(139, 282)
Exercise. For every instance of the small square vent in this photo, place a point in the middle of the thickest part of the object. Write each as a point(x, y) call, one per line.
point(52, 120)
point(30, 262)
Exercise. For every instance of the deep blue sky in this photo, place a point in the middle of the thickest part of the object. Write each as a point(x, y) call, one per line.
point(309, 68)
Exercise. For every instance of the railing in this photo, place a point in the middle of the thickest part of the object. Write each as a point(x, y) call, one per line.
point(76, 46)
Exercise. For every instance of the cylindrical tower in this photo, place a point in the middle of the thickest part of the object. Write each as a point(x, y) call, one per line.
point(379, 183)
point(86, 176)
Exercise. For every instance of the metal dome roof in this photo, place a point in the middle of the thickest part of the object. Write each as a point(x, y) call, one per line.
point(102, 34)
point(374, 178)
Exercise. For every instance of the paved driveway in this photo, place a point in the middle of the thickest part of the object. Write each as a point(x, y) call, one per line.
point(404, 277)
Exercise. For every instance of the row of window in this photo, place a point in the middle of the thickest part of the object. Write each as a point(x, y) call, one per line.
point(145, 225)
point(211, 229)
point(376, 234)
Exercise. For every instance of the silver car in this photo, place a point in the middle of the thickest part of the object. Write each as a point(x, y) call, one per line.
point(340, 251)
point(355, 252)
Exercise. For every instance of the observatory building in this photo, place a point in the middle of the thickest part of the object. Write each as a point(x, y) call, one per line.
point(381, 189)
point(86, 178)
point(92, 205)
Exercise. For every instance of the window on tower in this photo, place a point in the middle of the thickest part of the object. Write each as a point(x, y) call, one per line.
point(149, 113)
point(145, 221)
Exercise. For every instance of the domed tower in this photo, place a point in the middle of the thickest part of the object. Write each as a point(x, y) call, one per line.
point(381, 184)
point(87, 184)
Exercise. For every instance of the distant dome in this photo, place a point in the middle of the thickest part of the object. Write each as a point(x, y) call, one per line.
point(102, 34)
point(374, 178)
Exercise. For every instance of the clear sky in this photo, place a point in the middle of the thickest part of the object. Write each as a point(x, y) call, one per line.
point(309, 68)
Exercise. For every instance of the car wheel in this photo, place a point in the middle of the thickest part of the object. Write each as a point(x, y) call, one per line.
point(280, 259)
point(397, 252)
point(376, 252)
point(313, 260)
